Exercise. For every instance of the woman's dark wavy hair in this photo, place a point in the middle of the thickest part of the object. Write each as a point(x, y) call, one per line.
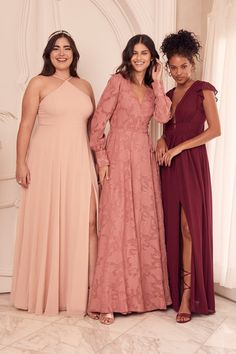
point(126, 69)
point(48, 68)
point(183, 43)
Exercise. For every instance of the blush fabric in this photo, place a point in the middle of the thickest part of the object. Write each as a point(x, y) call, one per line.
point(52, 245)
point(131, 269)
point(186, 184)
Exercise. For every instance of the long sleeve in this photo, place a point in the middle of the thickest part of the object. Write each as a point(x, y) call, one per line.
point(162, 103)
point(103, 113)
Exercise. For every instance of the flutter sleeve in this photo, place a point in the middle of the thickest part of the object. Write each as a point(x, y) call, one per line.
point(204, 85)
point(103, 113)
point(162, 103)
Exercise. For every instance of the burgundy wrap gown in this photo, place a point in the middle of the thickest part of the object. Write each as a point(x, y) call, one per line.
point(186, 183)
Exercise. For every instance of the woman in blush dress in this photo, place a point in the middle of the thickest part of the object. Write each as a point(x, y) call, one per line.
point(131, 269)
point(56, 239)
point(185, 176)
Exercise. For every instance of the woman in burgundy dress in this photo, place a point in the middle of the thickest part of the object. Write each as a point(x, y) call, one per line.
point(185, 177)
point(131, 269)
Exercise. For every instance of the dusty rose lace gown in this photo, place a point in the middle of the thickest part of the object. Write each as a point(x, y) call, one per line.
point(51, 260)
point(131, 270)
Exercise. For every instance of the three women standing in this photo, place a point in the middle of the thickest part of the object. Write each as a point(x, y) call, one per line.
point(56, 242)
point(185, 177)
point(56, 238)
point(131, 269)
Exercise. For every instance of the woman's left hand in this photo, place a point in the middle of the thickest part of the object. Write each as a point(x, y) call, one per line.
point(168, 156)
point(157, 71)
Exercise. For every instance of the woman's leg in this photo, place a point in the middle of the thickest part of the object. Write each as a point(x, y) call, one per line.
point(184, 314)
point(93, 242)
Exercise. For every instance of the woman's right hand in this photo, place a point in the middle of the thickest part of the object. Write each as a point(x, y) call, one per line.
point(161, 149)
point(103, 173)
point(23, 175)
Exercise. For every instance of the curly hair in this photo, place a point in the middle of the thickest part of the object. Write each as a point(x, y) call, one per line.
point(183, 43)
point(126, 69)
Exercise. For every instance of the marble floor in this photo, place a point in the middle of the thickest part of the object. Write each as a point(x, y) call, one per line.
point(150, 333)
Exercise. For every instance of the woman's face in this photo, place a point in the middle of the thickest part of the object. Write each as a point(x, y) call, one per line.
point(61, 55)
point(141, 58)
point(180, 68)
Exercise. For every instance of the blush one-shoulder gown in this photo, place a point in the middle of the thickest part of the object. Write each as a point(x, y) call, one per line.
point(131, 269)
point(52, 245)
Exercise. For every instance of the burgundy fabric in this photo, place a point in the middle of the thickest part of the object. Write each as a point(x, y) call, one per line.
point(187, 184)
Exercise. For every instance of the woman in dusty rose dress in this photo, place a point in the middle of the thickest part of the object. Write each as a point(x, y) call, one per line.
point(57, 218)
point(186, 185)
point(131, 269)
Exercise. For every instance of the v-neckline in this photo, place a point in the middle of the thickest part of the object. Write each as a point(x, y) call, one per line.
point(136, 96)
point(182, 98)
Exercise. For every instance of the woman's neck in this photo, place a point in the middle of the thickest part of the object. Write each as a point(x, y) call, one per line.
point(62, 74)
point(186, 84)
point(138, 78)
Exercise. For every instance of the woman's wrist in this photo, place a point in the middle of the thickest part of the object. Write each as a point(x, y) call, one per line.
point(20, 162)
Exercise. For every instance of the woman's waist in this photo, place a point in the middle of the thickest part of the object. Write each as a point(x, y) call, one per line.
point(186, 130)
point(129, 130)
point(63, 122)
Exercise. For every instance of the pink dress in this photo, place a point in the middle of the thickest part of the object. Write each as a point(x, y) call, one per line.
point(131, 269)
point(52, 244)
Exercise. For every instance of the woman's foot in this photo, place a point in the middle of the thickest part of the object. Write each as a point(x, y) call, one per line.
point(107, 318)
point(93, 315)
point(184, 315)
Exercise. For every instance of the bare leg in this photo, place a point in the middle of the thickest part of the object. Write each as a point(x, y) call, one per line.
point(93, 241)
point(186, 272)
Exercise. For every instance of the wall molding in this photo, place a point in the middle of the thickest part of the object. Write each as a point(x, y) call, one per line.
point(22, 42)
point(56, 14)
point(115, 14)
point(4, 115)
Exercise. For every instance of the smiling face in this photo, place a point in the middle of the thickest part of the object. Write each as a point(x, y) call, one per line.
point(61, 55)
point(180, 68)
point(141, 58)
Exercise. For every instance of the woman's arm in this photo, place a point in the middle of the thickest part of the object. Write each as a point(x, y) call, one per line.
point(29, 111)
point(103, 113)
point(91, 95)
point(162, 102)
point(212, 131)
point(161, 149)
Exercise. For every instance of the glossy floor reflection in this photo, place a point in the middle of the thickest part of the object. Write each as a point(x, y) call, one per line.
point(150, 333)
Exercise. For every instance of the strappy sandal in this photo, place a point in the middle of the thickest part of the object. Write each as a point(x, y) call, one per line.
point(184, 317)
point(106, 318)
